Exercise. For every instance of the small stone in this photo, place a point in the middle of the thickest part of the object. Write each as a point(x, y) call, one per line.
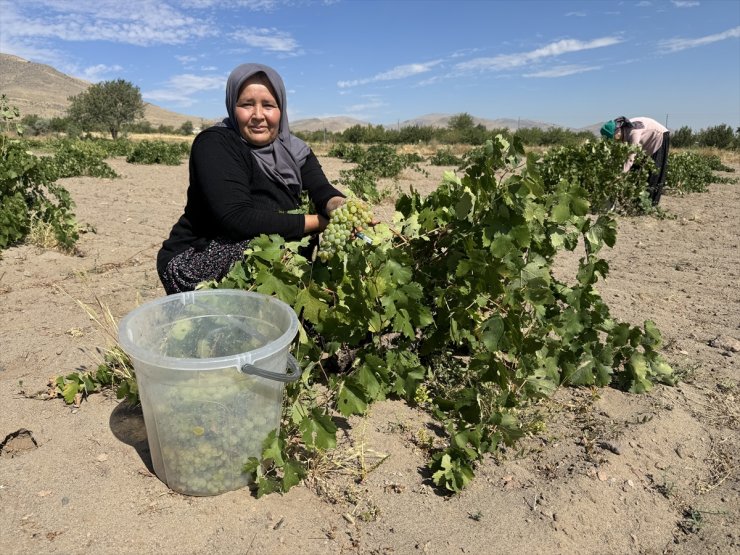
point(609, 446)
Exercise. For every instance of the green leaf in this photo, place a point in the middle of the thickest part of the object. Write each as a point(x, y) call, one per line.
point(453, 475)
point(464, 205)
point(293, 473)
point(352, 398)
point(653, 337)
point(318, 430)
point(583, 374)
point(312, 306)
point(272, 448)
point(271, 284)
point(70, 390)
point(492, 330)
point(639, 369)
point(369, 377)
point(501, 246)
point(579, 205)
point(396, 273)
point(663, 371)
point(561, 212)
point(267, 485)
point(521, 236)
point(252, 465)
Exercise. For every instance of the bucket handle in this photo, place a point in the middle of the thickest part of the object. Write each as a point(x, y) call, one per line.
point(294, 371)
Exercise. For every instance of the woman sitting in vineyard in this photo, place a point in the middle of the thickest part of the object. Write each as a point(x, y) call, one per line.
point(652, 137)
point(246, 174)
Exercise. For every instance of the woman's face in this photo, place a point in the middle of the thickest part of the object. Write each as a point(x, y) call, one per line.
point(257, 112)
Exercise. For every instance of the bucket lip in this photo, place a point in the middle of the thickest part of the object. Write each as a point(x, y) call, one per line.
point(214, 363)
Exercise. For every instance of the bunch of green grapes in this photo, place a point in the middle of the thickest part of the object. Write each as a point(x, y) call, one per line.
point(344, 220)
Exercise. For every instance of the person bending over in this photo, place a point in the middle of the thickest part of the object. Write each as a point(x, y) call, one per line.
point(652, 137)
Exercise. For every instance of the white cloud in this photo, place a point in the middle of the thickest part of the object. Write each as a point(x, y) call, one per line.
point(685, 3)
point(271, 40)
point(142, 22)
point(99, 72)
point(575, 14)
point(186, 60)
point(508, 61)
point(675, 45)
point(254, 5)
point(561, 71)
point(372, 103)
point(180, 89)
point(398, 72)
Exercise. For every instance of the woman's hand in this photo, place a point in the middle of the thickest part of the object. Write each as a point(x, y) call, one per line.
point(333, 203)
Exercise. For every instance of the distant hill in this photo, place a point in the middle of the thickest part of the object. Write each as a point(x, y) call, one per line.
point(334, 124)
point(339, 124)
point(42, 90)
point(443, 120)
point(595, 128)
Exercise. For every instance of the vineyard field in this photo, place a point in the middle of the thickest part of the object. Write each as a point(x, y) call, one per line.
point(606, 472)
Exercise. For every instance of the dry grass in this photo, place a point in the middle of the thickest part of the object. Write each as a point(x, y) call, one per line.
point(722, 463)
point(41, 234)
point(138, 137)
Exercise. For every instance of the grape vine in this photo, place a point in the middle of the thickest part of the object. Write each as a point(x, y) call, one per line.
point(456, 303)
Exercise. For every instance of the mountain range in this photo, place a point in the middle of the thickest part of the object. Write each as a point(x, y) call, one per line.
point(42, 90)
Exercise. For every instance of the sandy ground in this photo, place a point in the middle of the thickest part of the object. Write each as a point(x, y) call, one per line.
point(610, 473)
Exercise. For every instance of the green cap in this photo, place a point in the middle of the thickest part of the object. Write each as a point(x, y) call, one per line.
point(608, 129)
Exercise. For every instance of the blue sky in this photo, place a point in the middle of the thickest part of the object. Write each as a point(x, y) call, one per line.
point(572, 63)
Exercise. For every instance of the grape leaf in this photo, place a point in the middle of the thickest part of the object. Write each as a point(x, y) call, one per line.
point(352, 398)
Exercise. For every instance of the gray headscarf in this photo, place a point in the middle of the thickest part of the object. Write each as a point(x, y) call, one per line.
point(282, 159)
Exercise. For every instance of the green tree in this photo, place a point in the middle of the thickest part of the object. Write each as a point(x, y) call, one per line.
point(461, 122)
point(355, 134)
point(683, 138)
point(718, 136)
point(107, 106)
point(187, 128)
point(35, 125)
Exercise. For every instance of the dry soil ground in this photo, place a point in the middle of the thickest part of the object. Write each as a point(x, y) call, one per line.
point(611, 472)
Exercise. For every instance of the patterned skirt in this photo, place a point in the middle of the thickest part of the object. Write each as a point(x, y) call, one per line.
point(191, 267)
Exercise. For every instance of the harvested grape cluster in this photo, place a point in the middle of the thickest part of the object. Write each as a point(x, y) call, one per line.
point(209, 424)
point(344, 221)
point(204, 425)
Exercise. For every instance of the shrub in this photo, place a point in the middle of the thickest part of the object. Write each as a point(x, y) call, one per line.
point(29, 196)
point(75, 157)
point(445, 157)
point(690, 172)
point(157, 152)
point(348, 152)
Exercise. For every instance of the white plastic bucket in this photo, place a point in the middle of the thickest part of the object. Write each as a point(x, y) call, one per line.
point(210, 367)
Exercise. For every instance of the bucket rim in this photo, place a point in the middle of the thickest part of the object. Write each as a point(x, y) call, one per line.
point(214, 363)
